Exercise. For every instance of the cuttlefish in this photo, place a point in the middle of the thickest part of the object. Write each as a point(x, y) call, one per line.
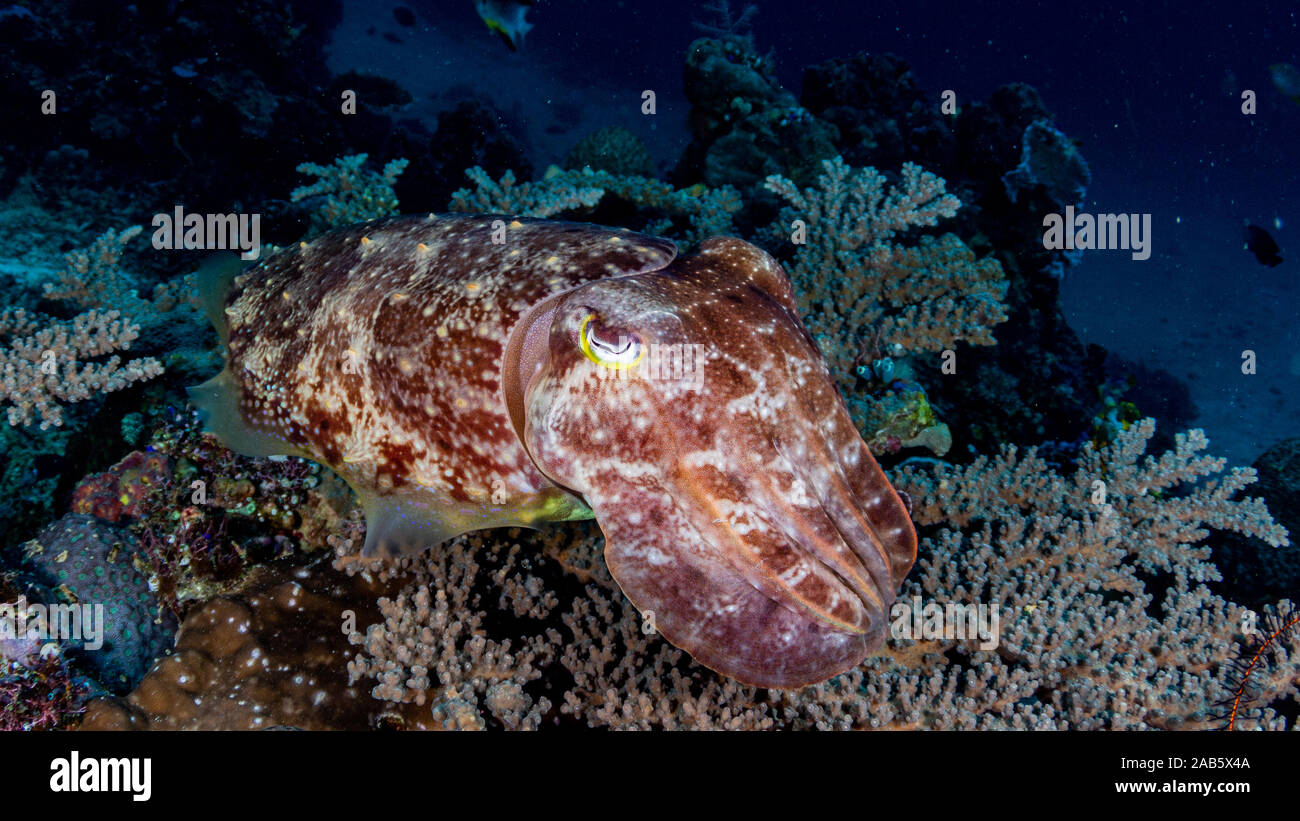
point(470, 372)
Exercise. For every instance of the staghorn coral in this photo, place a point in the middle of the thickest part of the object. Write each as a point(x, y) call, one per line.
point(937, 294)
point(1098, 578)
point(1083, 643)
point(44, 365)
point(530, 199)
point(707, 212)
point(92, 277)
point(851, 277)
point(349, 192)
point(431, 647)
point(44, 362)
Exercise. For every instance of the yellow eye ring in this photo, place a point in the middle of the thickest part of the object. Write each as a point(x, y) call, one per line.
point(620, 360)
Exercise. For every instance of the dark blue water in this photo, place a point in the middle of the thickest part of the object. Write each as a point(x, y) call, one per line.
point(1151, 91)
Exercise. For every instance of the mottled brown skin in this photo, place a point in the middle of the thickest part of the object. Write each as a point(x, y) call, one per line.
point(748, 514)
point(459, 384)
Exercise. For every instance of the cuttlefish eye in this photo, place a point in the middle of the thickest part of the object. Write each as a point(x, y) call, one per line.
point(609, 350)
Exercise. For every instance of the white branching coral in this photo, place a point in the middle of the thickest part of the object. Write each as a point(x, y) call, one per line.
point(1083, 639)
point(1067, 561)
point(46, 363)
point(851, 212)
point(93, 277)
point(706, 212)
point(854, 282)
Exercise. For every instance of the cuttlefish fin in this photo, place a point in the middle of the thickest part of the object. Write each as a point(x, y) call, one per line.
point(403, 524)
point(213, 280)
point(218, 403)
point(218, 399)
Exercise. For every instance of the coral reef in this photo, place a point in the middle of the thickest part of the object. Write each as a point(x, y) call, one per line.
point(1038, 378)
point(471, 133)
point(900, 417)
point(852, 279)
point(1279, 481)
point(124, 489)
point(746, 127)
point(881, 114)
point(273, 655)
point(40, 695)
point(47, 363)
point(92, 277)
point(1100, 578)
point(613, 149)
point(1121, 581)
point(1085, 641)
point(348, 191)
point(689, 214)
point(1049, 159)
point(431, 648)
point(30, 465)
point(1258, 577)
point(206, 517)
point(1106, 622)
point(89, 561)
point(530, 199)
point(217, 76)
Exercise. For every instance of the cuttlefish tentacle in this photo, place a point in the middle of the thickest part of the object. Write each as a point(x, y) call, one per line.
point(458, 382)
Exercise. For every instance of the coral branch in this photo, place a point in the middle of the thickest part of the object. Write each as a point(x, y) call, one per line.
point(853, 280)
point(44, 362)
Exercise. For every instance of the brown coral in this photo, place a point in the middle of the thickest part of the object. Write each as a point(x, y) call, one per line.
point(274, 655)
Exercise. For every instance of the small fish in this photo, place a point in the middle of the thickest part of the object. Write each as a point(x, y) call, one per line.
point(506, 18)
point(404, 16)
point(1260, 243)
point(1286, 78)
